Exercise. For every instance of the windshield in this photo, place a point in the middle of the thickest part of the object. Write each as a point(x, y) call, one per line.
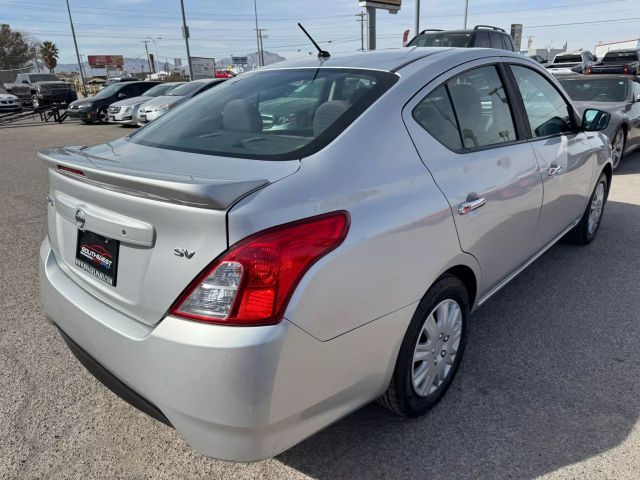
point(185, 89)
point(596, 90)
point(108, 91)
point(620, 57)
point(158, 90)
point(444, 39)
point(44, 77)
point(270, 115)
point(568, 59)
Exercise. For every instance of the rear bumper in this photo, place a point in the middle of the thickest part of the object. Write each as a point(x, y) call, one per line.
point(234, 393)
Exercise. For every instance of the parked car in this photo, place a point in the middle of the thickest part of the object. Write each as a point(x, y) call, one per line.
point(8, 102)
point(254, 285)
point(482, 36)
point(617, 94)
point(41, 90)
point(114, 80)
point(125, 112)
point(571, 63)
point(626, 62)
point(95, 109)
point(155, 108)
point(538, 58)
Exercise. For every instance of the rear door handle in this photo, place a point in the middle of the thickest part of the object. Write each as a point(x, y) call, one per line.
point(554, 170)
point(466, 207)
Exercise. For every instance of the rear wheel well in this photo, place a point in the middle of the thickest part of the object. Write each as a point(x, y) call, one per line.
point(608, 171)
point(466, 275)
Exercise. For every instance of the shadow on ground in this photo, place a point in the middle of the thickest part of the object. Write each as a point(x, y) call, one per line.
point(550, 377)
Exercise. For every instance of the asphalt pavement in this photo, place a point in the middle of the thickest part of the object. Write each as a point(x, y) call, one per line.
point(549, 387)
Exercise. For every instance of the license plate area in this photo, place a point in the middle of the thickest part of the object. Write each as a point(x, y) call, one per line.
point(98, 256)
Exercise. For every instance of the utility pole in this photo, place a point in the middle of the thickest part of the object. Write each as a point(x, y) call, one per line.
point(75, 43)
point(529, 41)
point(466, 11)
point(185, 34)
point(418, 17)
point(262, 37)
point(361, 20)
point(155, 44)
point(258, 34)
point(146, 49)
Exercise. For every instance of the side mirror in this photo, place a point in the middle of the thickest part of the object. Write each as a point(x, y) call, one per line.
point(595, 120)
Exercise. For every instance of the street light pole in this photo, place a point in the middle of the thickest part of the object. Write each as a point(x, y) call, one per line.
point(258, 33)
point(466, 11)
point(417, 17)
point(155, 44)
point(75, 43)
point(185, 34)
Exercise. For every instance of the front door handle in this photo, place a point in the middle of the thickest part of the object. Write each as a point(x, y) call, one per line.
point(554, 170)
point(466, 207)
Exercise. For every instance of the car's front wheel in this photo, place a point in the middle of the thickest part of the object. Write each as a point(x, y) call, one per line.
point(617, 147)
point(35, 101)
point(431, 350)
point(585, 231)
point(103, 115)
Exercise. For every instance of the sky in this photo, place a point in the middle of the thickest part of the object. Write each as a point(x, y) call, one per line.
point(220, 28)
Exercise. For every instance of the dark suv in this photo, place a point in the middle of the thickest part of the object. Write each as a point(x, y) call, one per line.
point(482, 36)
point(95, 108)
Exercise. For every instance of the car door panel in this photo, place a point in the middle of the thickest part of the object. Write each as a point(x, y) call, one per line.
point(504, 178)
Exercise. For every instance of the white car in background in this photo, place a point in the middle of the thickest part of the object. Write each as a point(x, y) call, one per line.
point(125, 112)
point(8, 102)
point(157, 107)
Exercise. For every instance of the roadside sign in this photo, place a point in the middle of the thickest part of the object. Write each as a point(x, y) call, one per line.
point(516, 34)
point(239, 60)
point(102, 61)
point(203, 67)
point(392, 5)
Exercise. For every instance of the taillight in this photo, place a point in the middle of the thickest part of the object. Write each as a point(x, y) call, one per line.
point(589, 70)
point(626, 70)
point(252, 282)
point(70, 170)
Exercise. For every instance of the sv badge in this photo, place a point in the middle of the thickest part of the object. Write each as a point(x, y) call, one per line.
point(184, 253)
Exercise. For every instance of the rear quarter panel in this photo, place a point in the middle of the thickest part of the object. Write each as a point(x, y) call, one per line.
point(401, 238)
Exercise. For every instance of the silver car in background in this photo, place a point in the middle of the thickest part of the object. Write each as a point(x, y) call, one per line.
point(125, 112)
point(250, 282)
point(155, 108)
point(617, 94)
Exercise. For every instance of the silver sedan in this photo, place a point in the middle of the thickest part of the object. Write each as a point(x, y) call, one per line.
point(617, 94)
point(312, 236)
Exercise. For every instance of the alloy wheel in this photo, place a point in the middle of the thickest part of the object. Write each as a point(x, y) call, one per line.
point(617, 148)
point(437, 347)
point(103, 115)
point(597, 205)
point(35, 102)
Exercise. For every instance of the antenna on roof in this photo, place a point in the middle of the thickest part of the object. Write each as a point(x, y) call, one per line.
point(322, 54)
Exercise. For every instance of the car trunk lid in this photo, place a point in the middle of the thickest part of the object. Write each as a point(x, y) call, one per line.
point(162, 213)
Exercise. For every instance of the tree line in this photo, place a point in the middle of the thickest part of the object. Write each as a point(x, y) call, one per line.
point(18, 50)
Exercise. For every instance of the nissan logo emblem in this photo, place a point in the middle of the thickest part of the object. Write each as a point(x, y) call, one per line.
point(80, 219)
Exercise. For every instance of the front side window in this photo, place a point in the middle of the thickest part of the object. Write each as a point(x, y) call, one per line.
point(547, 111)
point(482, 40)
point(482, 108)
point(270, 115)
point(435, 114)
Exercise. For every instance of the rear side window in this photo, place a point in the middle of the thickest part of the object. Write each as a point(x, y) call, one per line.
point(435, 114)
point(547, 111)
point(506, 42)
point(482, 108)
point(495, 40)
point(482, 40)
point(271, 115)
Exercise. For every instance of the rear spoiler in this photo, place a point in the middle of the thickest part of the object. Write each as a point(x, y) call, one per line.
point(201, 192)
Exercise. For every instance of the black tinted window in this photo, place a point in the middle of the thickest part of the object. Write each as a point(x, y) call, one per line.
point(444, 39)
point(482, 108)
point(594, 89)
point(435, 114)
point(495, 40)
point(482, 40)
point(271, 115)
point(547, 111)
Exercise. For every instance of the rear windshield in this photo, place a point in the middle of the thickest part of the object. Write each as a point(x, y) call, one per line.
point(186, 89)
point(444, 39)
point(270, 115)
point(45, 77)
point(596, 90)
point(158, 90)
point(568, 59)
point(620, 57)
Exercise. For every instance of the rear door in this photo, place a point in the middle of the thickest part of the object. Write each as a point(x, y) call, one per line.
point(563, 153)
point(467, 137)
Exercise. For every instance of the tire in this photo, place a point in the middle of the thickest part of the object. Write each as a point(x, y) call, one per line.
point(103, 115)
point(587, 229)
point(35, 102)
point(406, 394)
point(618, 143)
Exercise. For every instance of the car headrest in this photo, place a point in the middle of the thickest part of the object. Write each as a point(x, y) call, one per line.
point(358, 94)
point(241, 116)
point(327, 113)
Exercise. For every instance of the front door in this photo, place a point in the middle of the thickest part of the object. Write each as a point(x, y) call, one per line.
point(563, 153)
point(466, 136)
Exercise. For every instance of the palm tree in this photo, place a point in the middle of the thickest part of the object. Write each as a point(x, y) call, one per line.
point(49, 55)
